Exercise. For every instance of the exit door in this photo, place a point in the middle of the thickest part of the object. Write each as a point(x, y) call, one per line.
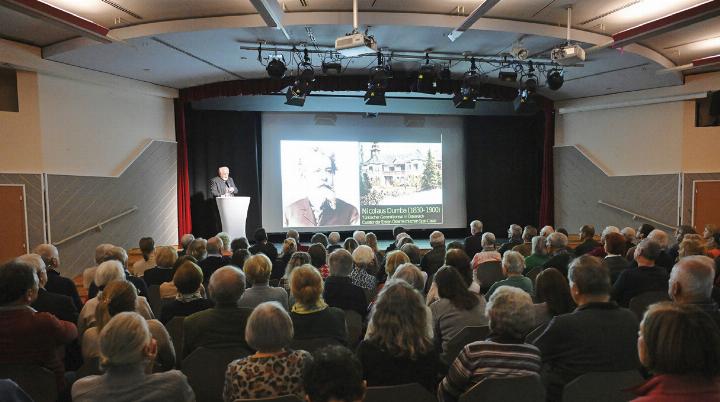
point(13, 225)
point(706, 199)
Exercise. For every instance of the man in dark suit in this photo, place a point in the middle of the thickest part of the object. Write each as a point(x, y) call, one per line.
point(597, 336)
point(339, 291)
point(57, 283)
point(615, 259)
point(557, 250)
point(214, 259)
point(473, 243)
point(435, 258)
point(222, 184)
point(587, 241)
point(646, 277)
point(262, 245)
point(58, 305)
point(321, 206)
point(392, 246)
point(514, 238)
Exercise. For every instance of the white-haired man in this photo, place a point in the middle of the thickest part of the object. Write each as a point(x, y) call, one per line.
point(223, 185)
point(435, 258)
point(513, 265)
point(57, 283)
point(60, 306)
point(185, 241)
point(473, 243)
point(89, 273)
point(333, 242)
point(691, 282)
point(557, 250)
point(360, 237)
point(599, 251)
point(514, 238)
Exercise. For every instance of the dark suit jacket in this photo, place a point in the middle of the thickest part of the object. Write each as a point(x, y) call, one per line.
point(509, 245)
point(586, 247)
point(219, 187)
point(595, 337)
point(58, 305)
point(266, 248)
point(157, 276)
point(634, 281)
point(433, 260)
point(210, 265)
point(327, 323)
point(473, 245)
point(215, 327)
point(559, 260)
point(616, 264)
point(64, 286)
point(300, 214)
point(341, 293)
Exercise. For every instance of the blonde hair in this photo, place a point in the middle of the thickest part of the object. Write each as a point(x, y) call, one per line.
point(258, 268)
point(118, 297)
point(395, 259)
point(123, 340)
point(165, 256)
point(306, 285)
point(289, 246)
point(691, 245)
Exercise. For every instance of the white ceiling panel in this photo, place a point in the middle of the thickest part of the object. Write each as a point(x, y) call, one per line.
point(21, 28)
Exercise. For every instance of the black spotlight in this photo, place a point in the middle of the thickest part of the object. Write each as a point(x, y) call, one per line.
point(302, 86)
point(524, 102)
point(331, 67)
point(507, 76)
point(555, 79)
point(378, 84)
point(426, 77)
point(276, 68)
point(469, 90)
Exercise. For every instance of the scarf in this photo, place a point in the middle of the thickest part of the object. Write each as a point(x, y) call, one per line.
point(187, 298)
point(298, 308)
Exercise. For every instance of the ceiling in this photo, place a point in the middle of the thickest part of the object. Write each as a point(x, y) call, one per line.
point(183, 43)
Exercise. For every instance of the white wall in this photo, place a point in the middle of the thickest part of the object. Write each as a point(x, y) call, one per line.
point(93, 130)
point(20, 138)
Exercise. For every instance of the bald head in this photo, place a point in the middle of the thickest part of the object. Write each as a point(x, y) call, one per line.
point(691, 279)
point(214, 245)
point(226, 286)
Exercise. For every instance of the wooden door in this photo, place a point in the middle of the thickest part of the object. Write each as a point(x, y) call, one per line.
point(706, 204)
point(13, 232)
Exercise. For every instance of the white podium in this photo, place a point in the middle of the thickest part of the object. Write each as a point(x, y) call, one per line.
point(233, 214)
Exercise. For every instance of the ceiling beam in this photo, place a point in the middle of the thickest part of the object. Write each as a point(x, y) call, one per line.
point(483, 8)
point(60, 18)
point(670, 22)
point(272, 13)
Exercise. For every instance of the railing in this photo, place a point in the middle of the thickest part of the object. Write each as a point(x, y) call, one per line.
point(98, 227)
point(636, 216)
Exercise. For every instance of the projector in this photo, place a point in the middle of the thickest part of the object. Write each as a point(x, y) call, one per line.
point(567, 54)
point(355, 45)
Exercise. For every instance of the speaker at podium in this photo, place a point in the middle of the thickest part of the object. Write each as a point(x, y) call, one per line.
point(233, 214)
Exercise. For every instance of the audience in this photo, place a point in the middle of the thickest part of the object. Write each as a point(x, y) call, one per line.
point(552, 294)
point(274, 370)
point(295, 236)
point(57, 283)
point(691, 245)
point(119, 297)
point(473, 243)
point(647, 277)
point(525, 248)
point(318, 259)
point(257, 271)
point(312, 318)
point(214, 258)
point(538, 257)
point(359, 237)
point(165, 258)
point(642, 232)
point(503, 354)
point(411, 274)
point(350, 244)
point(709, 233)
point(363, 275)
point(614, 259)
point(168, 290)
point(691, 282)
point(89, 273)
point(197, 249)
point(371, 241)
point(412, 251)
point(456, 308)
point(58, 305)
point(333, 242)
point(435, 258)
point(28, 336)
point(546, 231)
point(188, 300)
point(680, 233)
point(298, 258)
point(488, 252)
point(597, 336)
point(630, 237)
point(397, 231)
point(289, 247)
point(587, 240)
point(147, 248)
point(339, 291)
point(681, 347)
point(514, 238)
point(185, 241)
point(241, 243)
point(513, 265)
point(559, 255)
point(238, 258)
point(398, 347)
point(262, 245)
point(225, 249)
point(319, 238)
point(599, 251)
point(224, 324)
point(333, 374)
point(663, 259)
point(393, 260)
point(114, 253)
point(127, 353)
point(461, 261)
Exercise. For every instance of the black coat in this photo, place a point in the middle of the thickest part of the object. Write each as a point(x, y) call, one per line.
point(58, 305)
point(64, 286)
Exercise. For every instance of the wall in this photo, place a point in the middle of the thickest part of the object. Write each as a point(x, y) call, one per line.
point(20, 131)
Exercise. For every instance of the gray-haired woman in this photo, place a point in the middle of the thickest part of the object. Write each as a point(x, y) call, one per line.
point(274, 370)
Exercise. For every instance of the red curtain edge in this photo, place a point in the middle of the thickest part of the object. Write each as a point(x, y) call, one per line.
point(183, 177)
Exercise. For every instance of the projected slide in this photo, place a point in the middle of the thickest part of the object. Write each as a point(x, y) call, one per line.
point(343, 183)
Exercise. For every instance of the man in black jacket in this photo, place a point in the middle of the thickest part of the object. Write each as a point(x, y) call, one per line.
point(646, 277)
point(57, 283)
point(262, 245)
point(473, 243)
point(435, 258)
point(58, 305)
point(597, 336)
point(557, 250)
point(339, 290)
point(587, 241)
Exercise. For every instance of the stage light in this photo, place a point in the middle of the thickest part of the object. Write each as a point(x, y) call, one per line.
point(378, 84)
point(555, 79)
point(426, 77)
point(302, 86)
point(330, 67)
point(469, 90)
point(507, 76)
point(276, 67)
point(524, 102)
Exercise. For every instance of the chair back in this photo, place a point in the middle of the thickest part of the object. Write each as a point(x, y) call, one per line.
point(533, 274)
point(354, 322)
point(312, 344)
point(38, 382)
point(465, 336)
point(405, 392)
point(205, 370)
point(501, 389)
point(605, 387)
point(176, 331)
point(641, 302)
point(154, 300)
point(488, 273)
point(90, 366)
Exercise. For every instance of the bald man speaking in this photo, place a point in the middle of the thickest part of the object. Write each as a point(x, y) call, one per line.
point(223, 185)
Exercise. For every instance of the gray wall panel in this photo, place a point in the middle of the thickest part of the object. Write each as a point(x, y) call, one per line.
point(79, 202)
point(33, 204)
point(579, 184)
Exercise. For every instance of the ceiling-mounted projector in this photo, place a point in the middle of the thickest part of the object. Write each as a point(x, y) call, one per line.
point(568, 54)
point(355, 45)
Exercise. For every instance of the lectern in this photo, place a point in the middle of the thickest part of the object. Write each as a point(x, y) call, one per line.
point(233, 214)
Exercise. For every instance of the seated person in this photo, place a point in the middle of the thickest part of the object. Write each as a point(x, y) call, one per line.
point(503, 354)
point(333, 374)
point(681, 347)
point(513, 265)
point(365, 269)
point(552, 296)
point(597, 336)
point(224, 324)
point(398, 347)
point(57, 283)
point(147, 248)
point(60, 306)
point(647, 277)
point(257, 271)
point(538, 255)
point(615, 255)
point(262, 245)
point(312, 318)
point(489, 251)
point(339, 291)
point(114, 253)
point(691, 282)
point(274, 370)
point(118, 297)
point(188, 300)
point(127, 353)
point(165, 258)
point(26, 336)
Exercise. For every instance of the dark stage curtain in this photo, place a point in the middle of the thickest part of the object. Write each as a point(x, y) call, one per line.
point(222, 138)
point(183, 180)
point(503, 170)
point(547, 206)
